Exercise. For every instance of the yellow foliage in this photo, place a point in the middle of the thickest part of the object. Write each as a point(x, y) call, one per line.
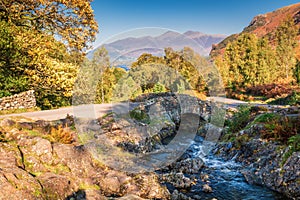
point(73, 21)
point(62, 135)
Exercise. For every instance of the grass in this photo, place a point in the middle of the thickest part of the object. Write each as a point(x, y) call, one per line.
point(58, 169)
point(85, 186)
point(238, 122)
point(278, 128)
point(239, 140)
point(36, 173)
point(85, 137)
point(33, 133)
point(294, 146)
point(266, 117)
point(37, 192)
point(20, 110)
point(57, 134)
point(294, 142)
point(109, 114)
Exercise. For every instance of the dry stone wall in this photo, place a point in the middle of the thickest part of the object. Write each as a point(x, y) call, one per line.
point(18, 101)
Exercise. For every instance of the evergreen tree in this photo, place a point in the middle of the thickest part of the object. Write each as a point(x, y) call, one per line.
point(248, 61)
point(248, 52)
point(286, 43)
point(266, 63)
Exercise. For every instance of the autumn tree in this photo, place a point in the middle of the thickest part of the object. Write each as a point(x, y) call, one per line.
point(42, 44)
point(71, 21)
point(198, 70)
point(54, 83)
point(34, 60)
point(146, 58)
point(190, 65)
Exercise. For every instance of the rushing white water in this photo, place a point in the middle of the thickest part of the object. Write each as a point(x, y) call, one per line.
point(225, 178)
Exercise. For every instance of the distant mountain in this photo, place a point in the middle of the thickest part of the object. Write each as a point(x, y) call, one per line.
point(128, 49)
point(262, 25)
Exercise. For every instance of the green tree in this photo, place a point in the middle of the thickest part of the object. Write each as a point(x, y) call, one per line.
point(248, 61)
point(12, 60)
point(101, 64)
point(158, 88)
point(189, 65)
point(126, 88)
point(297, 72)
point(250, 66)
point(186, 64)
point(286, 43)
point(233, 63)
point(266, 63)
point(110, 78)
point(241, 56)
point(86, 80)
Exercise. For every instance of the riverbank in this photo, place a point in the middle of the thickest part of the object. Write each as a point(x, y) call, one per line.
point(57, 159)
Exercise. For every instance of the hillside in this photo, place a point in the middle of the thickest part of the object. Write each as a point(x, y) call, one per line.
point(262, 25)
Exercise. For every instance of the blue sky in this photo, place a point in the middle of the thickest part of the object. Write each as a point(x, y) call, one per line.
point(207, 16)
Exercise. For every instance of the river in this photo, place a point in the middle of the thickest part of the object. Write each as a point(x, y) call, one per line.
point(225, 179)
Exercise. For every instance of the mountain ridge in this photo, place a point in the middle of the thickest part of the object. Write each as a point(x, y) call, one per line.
point(132, 47)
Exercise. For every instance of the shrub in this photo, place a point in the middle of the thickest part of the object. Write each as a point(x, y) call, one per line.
point(158, 88)
point(10, 85)
point(61, 135)
point(293, 99)
point(294, 143)
point(270, 90)
point(3, 137)
point(240, 119)
point(281, 129)
point(139, 115)
point(240, 140)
